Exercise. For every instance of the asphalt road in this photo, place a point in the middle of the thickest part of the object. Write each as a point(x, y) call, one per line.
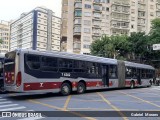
point(101, 104)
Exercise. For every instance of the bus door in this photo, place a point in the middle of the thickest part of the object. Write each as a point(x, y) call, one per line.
point(139, 76)
point(105, 76)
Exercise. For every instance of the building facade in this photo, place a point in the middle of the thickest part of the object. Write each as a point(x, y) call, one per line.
point(37, 30)
point(84, 21)
point(4, 36)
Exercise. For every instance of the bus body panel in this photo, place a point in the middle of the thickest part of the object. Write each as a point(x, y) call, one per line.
point(43, 81)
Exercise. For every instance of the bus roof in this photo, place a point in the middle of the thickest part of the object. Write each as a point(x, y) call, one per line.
point(75, 56)
point(138, 65)
point(84, 58)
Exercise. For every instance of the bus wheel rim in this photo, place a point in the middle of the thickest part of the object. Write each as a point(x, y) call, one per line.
point(65, 89)
point(80, 89)
point(132, 85)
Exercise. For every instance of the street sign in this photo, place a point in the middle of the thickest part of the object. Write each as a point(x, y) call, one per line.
point(156, 46)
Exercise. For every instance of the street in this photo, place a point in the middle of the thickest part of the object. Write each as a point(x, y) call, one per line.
point(118, 100)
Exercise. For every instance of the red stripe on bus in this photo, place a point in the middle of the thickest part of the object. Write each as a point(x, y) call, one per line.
point(41, 86)
point(97, 84)
point(136, 82)
point(127, 83)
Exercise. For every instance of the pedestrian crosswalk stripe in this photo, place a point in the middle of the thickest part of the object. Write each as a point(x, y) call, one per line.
point(9, 105)
point(15, 108)
point(5, 102)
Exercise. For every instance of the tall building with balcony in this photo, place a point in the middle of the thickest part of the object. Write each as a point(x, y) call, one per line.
point(4, 36)
point(38, 29)
point(84, 21)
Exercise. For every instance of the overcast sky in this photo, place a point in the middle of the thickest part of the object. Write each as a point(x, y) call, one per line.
point(12, 9)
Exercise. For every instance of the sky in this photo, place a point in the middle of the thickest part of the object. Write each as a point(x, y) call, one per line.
point(12, 9)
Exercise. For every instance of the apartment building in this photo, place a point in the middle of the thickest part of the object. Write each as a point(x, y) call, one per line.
point(4, 36)
point(38, 29)
point(84, 21)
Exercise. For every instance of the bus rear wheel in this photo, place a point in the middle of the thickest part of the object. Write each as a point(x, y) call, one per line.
point(132, 85)
point(81, 88)
point(65, 89)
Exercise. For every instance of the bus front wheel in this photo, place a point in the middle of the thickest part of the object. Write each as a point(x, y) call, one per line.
point(132, 85)
point(65, 89)
point(81, 88)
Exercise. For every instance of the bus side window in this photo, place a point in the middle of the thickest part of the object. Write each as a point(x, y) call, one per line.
point(112, 71)
point(65, 65)
point(128, 72)
point(33, 61)
point(49, 64)
point(144, 72)
point(134, 73)
point(79, 66)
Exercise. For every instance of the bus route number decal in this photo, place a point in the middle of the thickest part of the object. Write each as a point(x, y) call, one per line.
point(66, 74)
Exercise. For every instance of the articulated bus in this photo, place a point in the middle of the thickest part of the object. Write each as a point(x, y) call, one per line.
point(35, 71)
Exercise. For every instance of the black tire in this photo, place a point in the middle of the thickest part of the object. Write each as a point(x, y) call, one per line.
point(132, 85)
point(65, 89)
point(150, 83)
point(81, 88)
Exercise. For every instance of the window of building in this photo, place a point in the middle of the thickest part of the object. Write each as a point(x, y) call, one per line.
point(132, 26)
point(133, 11)
point(87, 30)
point(87, 6)
point(87, 22)
point(77, 21)
point(151, 14)
point(78, 5)
point(107, 9)
point(107, 1)
point(151, 6)
point(78, 13)
point(87, 14)
point(86, 38)
point(86, 46)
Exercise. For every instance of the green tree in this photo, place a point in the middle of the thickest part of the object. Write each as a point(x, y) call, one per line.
point(98, 46)
point(111, 47)
point(154, 38)
point(138, 45)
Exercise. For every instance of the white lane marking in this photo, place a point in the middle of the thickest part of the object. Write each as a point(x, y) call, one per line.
point(5, 102)
point(2, 99)
point(156, 88)
point(29, 110)
point(15, 108)
point(8, 105)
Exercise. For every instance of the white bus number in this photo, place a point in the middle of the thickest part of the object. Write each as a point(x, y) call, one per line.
point(66, 74)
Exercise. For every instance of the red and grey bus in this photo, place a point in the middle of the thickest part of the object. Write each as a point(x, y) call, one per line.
point(35, 71)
